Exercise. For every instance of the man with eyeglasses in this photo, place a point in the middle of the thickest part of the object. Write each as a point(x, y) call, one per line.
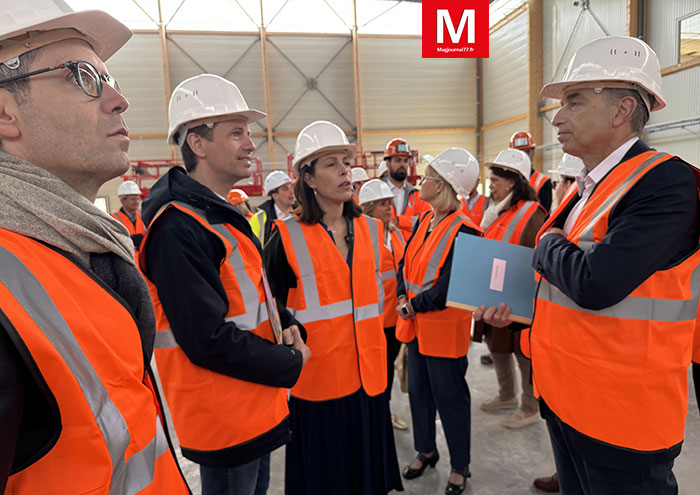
point(78, 409)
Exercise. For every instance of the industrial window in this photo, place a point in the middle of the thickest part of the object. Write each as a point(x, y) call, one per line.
point(689, 38)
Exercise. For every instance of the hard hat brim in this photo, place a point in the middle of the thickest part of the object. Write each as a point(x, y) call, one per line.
point(326, 149)
point(556, 90)
point(250, 116)
point(505, 167)
point(99, 26)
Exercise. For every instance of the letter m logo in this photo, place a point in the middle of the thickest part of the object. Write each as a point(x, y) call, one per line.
point(445, 21)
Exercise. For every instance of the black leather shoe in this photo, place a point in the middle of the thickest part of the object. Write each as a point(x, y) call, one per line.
point(453, 489)
point(409, 473)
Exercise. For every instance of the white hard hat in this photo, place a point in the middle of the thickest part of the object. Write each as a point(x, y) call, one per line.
point(205, 99)
point(613, 61)
point(274, 180)
point(35, 18)
point(382, 168)
point(514, 160)
point(569, 166)
point(127, 188)
point(374, 190)
point(319, 136)
point(359, 174)
point(458, 167)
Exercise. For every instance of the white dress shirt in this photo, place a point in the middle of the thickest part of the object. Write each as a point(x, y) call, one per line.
point(400, 197)
point(586, 181)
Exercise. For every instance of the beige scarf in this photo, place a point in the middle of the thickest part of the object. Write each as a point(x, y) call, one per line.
point(494, 211)
point(35, 203)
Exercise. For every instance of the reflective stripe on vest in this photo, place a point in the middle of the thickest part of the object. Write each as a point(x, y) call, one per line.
point(586, 237)
point(254, 314)
point(128, 477)
point(314, 310)
point(134, 228)
point(516, 220)
point(431, 273)
point(537, 180)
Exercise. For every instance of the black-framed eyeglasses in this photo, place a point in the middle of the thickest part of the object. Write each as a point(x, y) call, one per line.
point(85, 74)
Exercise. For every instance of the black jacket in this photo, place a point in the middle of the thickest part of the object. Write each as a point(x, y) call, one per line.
point(652, 228)
point(183, 260)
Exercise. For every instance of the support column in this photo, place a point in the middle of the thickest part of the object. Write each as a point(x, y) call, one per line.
point(356, 79)
point(636, 19)
point(166, 70)
point(479, 111)
point(534, 75)
point(266, 83)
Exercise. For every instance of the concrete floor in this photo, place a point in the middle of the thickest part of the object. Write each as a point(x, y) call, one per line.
point(504, 462)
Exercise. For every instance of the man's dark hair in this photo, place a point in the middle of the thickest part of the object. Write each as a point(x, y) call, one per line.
point(521, 188)
point(188, 155)
point(308, 210)
point(18, 89)
point(640, 117)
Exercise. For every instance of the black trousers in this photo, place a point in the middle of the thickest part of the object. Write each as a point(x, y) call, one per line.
point(587, 475)
point(392, 350)
point(440, 383)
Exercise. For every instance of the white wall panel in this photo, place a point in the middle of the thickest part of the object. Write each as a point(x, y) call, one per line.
point(505, 72)
point(498, 138)
point(399, 89)
point(662, 30)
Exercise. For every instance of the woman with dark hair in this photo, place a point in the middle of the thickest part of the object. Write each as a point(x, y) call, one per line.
point(513, 216)
point(438, 336)
point(325, 265)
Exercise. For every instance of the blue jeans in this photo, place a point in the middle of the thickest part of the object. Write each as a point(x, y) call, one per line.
point(252, 478)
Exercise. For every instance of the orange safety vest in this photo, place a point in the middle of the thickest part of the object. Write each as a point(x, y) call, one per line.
point(537, 180)
point(509, 226)
point(442, 333)
point(212, 411)
point(139, 228)
point(341, 311)
point(390, 267)
point(477, 212)
point(85, 344)
point(618, 375)
point(408, 219)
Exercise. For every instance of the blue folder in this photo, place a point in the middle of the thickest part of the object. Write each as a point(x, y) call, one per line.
point(490, 272)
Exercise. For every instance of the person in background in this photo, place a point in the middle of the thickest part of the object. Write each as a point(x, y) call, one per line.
point(513, 216)
point(130, 197)
point(617, 303)
point(327, 263)
point(280, 189)
point(219, 353)
point(375, 201)
point(79, 411)
point(542, 185)
point(406, 205)
point(382, 170)
point(359, 177)
point(474, 204)
point(239, 199)
point(437, 336)
point(568, 169)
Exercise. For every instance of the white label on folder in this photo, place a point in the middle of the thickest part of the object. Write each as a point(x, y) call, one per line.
point(498, 274)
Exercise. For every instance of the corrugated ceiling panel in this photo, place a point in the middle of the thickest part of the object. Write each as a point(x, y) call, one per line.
point(287, 84)
point(505, 72)
point(237, 58)
point(399, 89)
point(138, 68)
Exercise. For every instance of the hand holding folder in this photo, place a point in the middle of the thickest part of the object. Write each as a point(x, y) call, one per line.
point(487, 273)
